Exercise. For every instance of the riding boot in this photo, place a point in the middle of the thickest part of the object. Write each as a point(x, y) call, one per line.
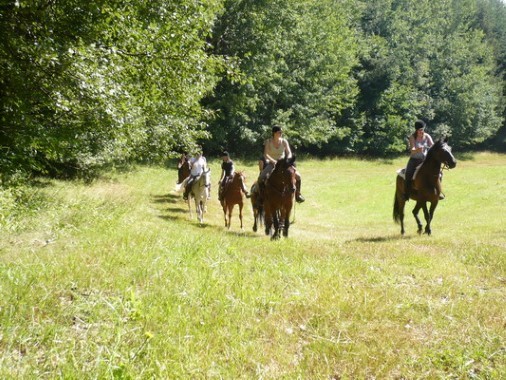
point(298, 196)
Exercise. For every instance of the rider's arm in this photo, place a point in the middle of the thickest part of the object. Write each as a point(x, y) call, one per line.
point(288, 151)
point(412, 146)
point(266, 154)
point(429, 140)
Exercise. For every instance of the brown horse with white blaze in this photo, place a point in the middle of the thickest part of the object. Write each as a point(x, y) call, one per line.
point(278, 198)
point(232, 194)
point(426, 186)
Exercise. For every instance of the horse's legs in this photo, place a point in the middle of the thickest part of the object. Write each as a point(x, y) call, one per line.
point(276, 220)
point(286, 226)
point(190, 206)
point(417, 208)
point(198, 207)
point(240, 215)
point(229, 207)
point(224, 212)
point(268, 219)
point(428, 216)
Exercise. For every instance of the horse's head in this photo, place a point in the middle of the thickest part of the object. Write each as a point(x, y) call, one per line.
point(206, 174)
point(442, 152)
point(284, 173)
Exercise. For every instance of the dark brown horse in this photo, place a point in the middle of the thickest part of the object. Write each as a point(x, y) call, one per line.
point(278, 198)
point(232, 195)
point(426, 185)
point(183, 170)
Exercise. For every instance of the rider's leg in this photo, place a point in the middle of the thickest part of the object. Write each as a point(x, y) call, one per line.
point(298, 196)
point(410, 171)
point(262, 178)
point(188, 187)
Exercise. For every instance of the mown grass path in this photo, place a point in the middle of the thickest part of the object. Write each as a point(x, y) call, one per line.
point(112, 280)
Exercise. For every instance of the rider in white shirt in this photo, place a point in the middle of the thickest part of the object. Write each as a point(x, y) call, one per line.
point(198, 165)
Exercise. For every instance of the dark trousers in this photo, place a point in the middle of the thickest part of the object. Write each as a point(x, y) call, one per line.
point(410, 171)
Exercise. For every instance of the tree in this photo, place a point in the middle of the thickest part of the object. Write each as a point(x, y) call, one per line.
point(426, 61)
point(295, 59)
point(94, 83)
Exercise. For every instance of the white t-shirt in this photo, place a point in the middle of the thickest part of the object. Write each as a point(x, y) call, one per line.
point(198, 165)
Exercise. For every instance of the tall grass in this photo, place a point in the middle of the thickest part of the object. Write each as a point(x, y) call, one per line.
point(113, 280)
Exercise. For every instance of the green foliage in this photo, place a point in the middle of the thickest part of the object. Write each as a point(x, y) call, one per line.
point(296, 59)
point(85, 85)
point(426, 60)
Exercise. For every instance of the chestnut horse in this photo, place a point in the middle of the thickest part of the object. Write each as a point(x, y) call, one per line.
point(232, 195)
point(426, 185)
point(278, 198)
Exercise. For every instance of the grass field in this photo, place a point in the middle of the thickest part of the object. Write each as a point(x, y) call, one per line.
point(112, 280)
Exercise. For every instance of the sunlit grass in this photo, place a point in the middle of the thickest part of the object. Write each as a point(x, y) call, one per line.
point(113, 280)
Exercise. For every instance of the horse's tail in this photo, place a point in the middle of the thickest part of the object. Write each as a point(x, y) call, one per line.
point(259, 215)
point(397, 209)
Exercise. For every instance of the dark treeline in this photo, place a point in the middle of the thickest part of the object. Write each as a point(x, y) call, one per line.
point(89, 84)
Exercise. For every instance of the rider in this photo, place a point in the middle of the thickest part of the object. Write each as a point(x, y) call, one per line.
point(183, 159)
point(227, 172)
point(276, 148)
point(419, 144)
point(198, 165)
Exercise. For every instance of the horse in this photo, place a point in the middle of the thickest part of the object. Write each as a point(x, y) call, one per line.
point(200, 192)
point(257, 206)
point(232, 195)
point(279, 195)
point(183, 171)
point(426, 185)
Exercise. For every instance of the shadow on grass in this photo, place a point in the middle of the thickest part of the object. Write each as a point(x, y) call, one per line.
point(165, 198)
point(222, 229)
point(379, 239)
point(178, 212)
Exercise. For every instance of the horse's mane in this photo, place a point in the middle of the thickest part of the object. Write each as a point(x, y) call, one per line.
point(285, 162)
point(238, 175)
point(437, 145)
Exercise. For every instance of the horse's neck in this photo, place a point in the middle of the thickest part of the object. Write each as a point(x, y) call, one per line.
point(430, 167)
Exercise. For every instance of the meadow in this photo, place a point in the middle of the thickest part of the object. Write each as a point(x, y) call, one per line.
point(112, 280)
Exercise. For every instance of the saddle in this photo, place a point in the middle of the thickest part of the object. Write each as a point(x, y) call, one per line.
point(402, 172)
